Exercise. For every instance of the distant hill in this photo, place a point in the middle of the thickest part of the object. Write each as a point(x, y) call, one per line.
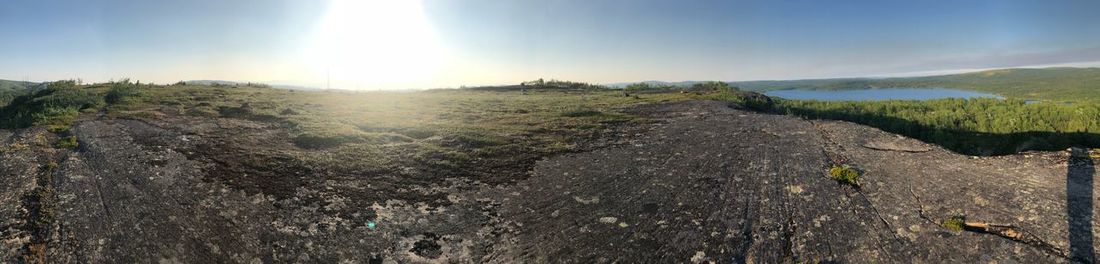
point(15, 85)
point(654, 83)
point(233, 83)
point(1045, 83)
point(211, 82)
point(11, 89)
point(1024, 83)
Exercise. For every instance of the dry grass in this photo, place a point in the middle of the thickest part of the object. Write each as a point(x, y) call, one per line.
point(379, 130)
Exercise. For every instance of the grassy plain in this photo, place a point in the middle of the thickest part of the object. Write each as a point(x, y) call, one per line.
point(462, 131)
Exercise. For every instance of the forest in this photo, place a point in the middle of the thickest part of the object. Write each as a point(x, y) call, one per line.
point(982, 126)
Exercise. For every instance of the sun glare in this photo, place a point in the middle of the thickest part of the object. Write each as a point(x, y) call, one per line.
point(374, 43)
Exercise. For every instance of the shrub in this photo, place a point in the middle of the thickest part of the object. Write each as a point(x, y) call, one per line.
point(68, 143)
point(121, 93)
point(956, 223)
point(713, 86)
point(58, 104)
point(845, 174)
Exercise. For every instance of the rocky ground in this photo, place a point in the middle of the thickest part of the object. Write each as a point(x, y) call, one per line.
point(706, 183)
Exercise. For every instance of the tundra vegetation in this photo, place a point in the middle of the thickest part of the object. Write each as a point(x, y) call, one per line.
point(450, 128)
point(542, 116)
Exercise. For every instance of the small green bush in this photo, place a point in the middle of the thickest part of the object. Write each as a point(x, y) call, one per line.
point(845, 174)
point(121, 92)
point(68, 143)
point(955, 223)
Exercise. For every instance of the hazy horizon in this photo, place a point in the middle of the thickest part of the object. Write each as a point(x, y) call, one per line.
point(435, 43)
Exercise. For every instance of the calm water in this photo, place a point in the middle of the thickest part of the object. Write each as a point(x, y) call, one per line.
point(878, 94)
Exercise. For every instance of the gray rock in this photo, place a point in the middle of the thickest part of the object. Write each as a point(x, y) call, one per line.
point(704, 183)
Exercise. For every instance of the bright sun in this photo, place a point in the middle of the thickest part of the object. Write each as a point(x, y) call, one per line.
point(374, 43)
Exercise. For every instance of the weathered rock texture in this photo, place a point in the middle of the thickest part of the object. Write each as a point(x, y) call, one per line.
point(706, 183)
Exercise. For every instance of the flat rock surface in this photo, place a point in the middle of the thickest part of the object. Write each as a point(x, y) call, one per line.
point(706, 183)
point(897, 143)
point(716, 184)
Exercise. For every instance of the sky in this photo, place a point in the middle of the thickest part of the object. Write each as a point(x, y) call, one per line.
point(392, 44)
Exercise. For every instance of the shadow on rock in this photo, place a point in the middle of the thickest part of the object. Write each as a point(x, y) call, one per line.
point(1079, 206)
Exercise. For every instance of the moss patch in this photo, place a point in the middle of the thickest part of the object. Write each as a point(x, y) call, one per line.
point(845, 174)
point(955, 223)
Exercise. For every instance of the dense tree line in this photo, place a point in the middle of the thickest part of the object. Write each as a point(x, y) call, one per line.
point(559, 84)
point(707, 86)
point(982, 126)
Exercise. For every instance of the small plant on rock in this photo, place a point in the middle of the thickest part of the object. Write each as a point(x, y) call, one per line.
point(955, 223)
point(845, 174)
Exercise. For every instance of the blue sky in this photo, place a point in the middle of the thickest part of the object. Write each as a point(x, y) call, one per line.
point(441, 43)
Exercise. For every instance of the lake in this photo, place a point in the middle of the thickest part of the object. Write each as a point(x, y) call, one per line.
point(878, 94)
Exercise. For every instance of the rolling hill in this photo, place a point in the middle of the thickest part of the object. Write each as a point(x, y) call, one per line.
point(1070, 84)
point(11, 89)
